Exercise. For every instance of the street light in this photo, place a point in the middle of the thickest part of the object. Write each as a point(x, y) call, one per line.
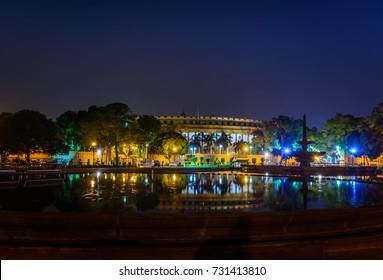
point(286, 152)
point(146, 152)
point(220, 149)
point(353, 151)
point(246, 149)
point(93, 145)
point(174, 152)
point(99, 155)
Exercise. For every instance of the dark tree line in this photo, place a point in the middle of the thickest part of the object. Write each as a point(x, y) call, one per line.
point(115, 125)
point(361, 136)
point(27, 132)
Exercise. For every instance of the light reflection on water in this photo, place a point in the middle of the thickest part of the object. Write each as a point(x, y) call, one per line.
point(128, 192)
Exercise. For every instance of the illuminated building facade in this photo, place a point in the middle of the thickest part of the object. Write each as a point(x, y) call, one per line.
point(238, 129)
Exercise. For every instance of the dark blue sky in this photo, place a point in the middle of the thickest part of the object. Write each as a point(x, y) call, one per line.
point(254, 59)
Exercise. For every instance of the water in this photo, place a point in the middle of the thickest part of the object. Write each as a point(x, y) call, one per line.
point(133, 192)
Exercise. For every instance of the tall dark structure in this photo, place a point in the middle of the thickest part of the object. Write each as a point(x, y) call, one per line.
point(303, 156)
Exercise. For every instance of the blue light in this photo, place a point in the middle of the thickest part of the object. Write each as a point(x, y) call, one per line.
point(287, 151)
point(353, 150)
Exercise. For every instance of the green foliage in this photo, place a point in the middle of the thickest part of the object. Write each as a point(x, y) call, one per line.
point(241, 147)
point(195, 159)
point(30, 131)
point(168, 144)
point(209, 140)
point(224, 141)
point(373, 132)
point(69, 128)
point(337, 130)
point(258, 141)
point(195, 142)
point(113, 125)
point(143, 131)
point(148, 127)
point(106, 126)
point(282, 132)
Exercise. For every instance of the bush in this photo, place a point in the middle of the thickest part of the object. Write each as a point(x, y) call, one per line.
point(195, 159)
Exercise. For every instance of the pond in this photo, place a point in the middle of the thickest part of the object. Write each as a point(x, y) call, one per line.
point(221, 191)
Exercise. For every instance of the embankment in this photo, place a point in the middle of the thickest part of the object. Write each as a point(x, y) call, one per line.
point(312, 234)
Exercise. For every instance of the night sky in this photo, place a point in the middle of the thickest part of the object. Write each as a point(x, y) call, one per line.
point(252, 59)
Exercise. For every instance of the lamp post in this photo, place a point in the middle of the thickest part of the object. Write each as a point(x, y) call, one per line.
point(146, 152)
point(99, 155)
point(174, 152)
point(93, 145)
point(220, 149)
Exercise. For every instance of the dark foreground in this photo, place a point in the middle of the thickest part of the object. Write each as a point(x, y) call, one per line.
point(313, 234)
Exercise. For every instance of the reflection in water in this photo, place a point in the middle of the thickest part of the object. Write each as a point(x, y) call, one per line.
point(125, 192)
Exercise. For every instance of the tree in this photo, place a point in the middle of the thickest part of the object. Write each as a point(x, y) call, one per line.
point(210, 140)
point(169, 144)
point(241, 146)
point(282, 132)
point(335, 134)
point(144, 130)
point(224, 141)
point(5, 142)
point(258, 141)
point(195, 143)
point(69, 128)
point(31, 131)
point(108, 126)
point(375, 124)
point(150, 126)
point(201, 158)
point(367, 139)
